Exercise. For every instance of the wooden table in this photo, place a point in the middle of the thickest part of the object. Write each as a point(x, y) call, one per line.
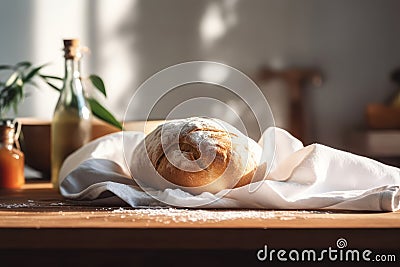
point(37, 221)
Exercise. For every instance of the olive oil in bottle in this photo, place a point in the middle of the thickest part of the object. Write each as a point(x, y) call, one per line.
point(71, 125)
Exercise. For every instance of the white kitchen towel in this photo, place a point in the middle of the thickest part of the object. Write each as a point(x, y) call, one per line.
point(311, 177)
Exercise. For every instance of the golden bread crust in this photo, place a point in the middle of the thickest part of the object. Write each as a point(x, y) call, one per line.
point(197, 154)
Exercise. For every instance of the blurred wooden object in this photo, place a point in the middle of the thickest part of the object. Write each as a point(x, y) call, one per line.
point(296, 80)
point(383, 117)
point(35, 143)
point(381, 140)
point(382, 145)
point(36, 138)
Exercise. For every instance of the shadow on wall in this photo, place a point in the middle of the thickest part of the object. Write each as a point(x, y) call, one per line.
point(170, 32)
point(354, 43)
point(161, 37)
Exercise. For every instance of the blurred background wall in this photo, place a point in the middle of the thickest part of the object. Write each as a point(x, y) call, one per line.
point(354, 43)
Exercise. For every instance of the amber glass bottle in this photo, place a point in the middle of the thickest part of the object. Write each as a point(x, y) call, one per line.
point(11, 158)
point(71, 125)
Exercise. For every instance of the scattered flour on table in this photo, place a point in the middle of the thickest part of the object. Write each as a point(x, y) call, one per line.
point(15, 205)
point(29, 204)
point(166, 215)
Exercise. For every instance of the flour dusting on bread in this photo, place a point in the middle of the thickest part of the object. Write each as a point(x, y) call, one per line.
point(197, 155)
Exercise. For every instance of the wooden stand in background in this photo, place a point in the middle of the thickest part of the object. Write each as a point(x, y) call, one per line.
point(296, 80)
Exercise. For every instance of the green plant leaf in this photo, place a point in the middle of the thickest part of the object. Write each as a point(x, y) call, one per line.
point(6, 67)
point(102, 113)
point(46, 80)
point(12, 79)
point(50, 77)
point(9, 97)
point(34, 83)
point(23, 64)
point(33, 72)
point(53, 86)
point(98, 83)
point(19, 82)
point(12, 91)
point(17, 98)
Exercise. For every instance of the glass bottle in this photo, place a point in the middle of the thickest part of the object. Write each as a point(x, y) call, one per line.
point(71, 125)
point(11, 157)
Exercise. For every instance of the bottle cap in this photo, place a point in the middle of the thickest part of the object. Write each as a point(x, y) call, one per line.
point(71, 42)
point(72, 48)
point(7, 122)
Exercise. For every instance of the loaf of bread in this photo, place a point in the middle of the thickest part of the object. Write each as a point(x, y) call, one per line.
point(196, 155)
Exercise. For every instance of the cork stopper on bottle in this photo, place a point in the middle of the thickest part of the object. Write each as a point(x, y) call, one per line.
point(72, 48)
point(7, 131)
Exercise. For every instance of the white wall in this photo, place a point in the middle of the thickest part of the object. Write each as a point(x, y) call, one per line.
point(33, 30)
point(355, 43)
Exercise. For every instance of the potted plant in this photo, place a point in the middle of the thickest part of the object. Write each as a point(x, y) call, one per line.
point(13, 90)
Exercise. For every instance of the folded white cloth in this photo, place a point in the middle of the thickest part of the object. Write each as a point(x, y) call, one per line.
point(311, 177)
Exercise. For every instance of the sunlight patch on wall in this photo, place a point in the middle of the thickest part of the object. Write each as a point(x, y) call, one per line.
point(53, 20)
point(214, 73)
point(217, 19)
point(115, 52)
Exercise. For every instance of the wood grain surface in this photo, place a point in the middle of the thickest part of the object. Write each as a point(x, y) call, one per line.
point(37, 219)
point(37, 205)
